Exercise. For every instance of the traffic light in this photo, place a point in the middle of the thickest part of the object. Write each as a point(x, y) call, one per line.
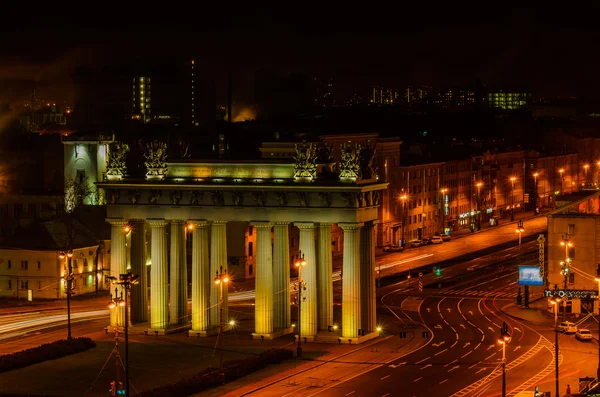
point(113, 388)
point(564, 268)
point(120, 390)
point(537, 392)
point(438, 271)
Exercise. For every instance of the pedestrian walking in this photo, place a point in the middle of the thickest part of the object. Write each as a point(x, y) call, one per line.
point(568, 389)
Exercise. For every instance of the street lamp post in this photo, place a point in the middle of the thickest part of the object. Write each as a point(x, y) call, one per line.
point(478, 209)
point(555, 301)
point(520, 230)
point(443, 207)
point(115, 302)
point(503, 340)
point(535, 176)
point(512, 198)
point(403, 199)
point(586, 167)
point(300, 263)
point(598, 174)
point(69, 287)
point(221, 279)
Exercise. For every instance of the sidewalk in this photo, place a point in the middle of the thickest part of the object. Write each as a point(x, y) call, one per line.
point(486, 225)
point(536, 313)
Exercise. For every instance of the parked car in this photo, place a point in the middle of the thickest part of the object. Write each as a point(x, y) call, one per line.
point(444, 237)
point(567, 327)
point(416, 243)
point(583, 334)
point(393, 248)
point(436, 240)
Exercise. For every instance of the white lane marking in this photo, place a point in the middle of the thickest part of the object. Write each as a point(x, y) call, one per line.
point(455, 342)
point(423, 360)
point(453, 368)
point(465, 355)
point(385, 377)
point(450, 363)
point(438, 353)
point(426, 366)
point(445, 380)
point(418, 379)
point(352, 392)
point(487, 358)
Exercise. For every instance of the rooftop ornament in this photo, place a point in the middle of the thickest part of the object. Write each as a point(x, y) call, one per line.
point(117, 155)
point(156, 160)
point(305, 162)
point(350, 164)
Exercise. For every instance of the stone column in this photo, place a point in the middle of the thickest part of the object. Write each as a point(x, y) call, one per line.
point(159, 273)
point(367, 277)
point(308, 316)
point(139, 292)
point(281, 276)
point(218, 259)
point(178, 283)
point(351, 314)
point(201, 280)
point(324, 276)
point(118, 259)
point(263, 303)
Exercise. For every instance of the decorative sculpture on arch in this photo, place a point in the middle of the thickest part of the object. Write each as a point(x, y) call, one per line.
point(237, 198)
point(196, 196)
point(134, 196)
point(176, 197)
point(260, 198)
point(349, 166)
point(117, 155)
point(155, 195)
point(325, 199)
point(281, 198)
point(218, 198)
point(156, 160)
point(349, 198)
point(305, 162)
point(114, 196)
point(302, 199)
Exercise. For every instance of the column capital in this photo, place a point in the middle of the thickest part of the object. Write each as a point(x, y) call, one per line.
point(177, 221)
point(156, 222)
point(350, 225)
point(281, 223)
point(198, 223)
point(304, 225)
point(261, 224)
point(117, 221)
point(219, 222)
point(325, 224)
point(137, 220)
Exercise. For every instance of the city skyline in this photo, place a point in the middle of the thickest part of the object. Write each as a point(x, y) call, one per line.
point(545, 50)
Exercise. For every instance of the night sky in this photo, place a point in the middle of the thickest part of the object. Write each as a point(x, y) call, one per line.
point(554, 52)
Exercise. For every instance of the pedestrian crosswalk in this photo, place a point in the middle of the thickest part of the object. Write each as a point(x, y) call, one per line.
point(480, 293)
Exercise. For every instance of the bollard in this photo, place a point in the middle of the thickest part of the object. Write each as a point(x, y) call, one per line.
point(340, 341)
point(156, 333)
point(145, 332)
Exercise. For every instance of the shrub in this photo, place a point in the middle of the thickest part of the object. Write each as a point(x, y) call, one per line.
point(47, 351)
point(211, 377)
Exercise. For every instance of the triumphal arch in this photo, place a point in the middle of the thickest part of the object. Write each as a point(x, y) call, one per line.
point(312, 192)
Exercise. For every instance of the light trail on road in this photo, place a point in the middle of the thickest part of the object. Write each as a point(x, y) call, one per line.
point(32, 324)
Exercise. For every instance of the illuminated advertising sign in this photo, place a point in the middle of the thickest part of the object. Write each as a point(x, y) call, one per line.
point(530, 275)
point(571, 293)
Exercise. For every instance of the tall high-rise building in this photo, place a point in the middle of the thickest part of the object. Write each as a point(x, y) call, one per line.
point(323, 92)
point(384, 96)
point(141, 99)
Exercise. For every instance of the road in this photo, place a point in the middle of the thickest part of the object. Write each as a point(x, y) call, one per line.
point(459, 357)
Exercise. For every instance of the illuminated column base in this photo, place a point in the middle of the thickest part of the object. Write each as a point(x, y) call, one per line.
point(201, 280)
point(178, 279)
point(139, 292)
point(118, 257)
point(159, 273)
point(351, 313)
point(218, 259)
point(308, 316)
point(263, 303)
point(324, 277)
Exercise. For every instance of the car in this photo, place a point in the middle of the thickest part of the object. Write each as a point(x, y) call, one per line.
point(436, 240)
point(583, 334)
point(393, 248)
point(567, 327)
point(444, 237)
point(416, 243)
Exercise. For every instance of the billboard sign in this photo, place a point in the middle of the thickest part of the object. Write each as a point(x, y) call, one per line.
point(530, 275)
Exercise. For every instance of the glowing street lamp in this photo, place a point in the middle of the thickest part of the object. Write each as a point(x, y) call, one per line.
point(503, 340)
point(221, 279)
point(555, 301)
point(561, 171)
point(403, 198)
point(443, 208)
point(300, 263)
point(512, 198)
point(479, 185)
